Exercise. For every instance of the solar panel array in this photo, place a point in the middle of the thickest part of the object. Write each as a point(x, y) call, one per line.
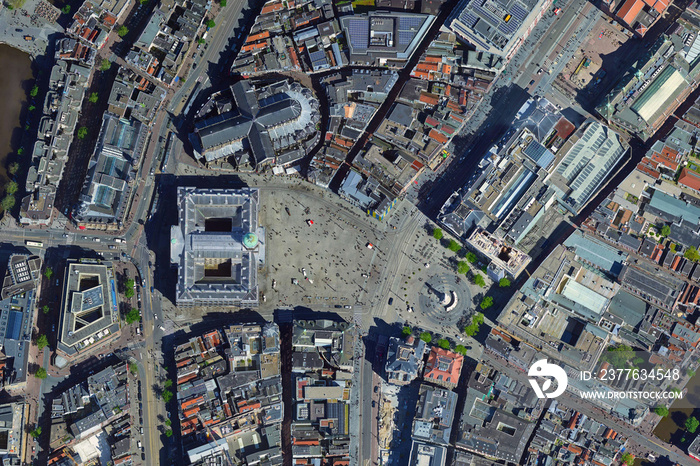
point(468, 18)
point(410, 23)
point(405, 37)
point(472, 37)
point(539, 154)
point(484, 13)
point(358, 30)
point(519, 15)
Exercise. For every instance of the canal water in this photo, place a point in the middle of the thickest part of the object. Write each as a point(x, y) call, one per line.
point(672, 428)
point(15, 82)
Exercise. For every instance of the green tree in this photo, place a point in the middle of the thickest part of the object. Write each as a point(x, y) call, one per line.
point(690, 373)
point(129, 293)
point(210, 23)
point(48, 272)
point(479, 280)
point(665, 230)
point(94, 97)
point(31, 108)
point(621, 356)
point(130, 283)
point(473, 328)
point(167, 395)
point(628, 459)
point(437, 234)
point(661, 410)
point(66, 9)
point(20, 151)
point(168, 383)
point(35, 91)
point(143, 2)
point(426, 337)
point(461, 349)
point(105, 65)
point(13, 168)
point(132, 316)
point(82, 132)
point(122, 31)
point(406, 331)
point(133, 368)
point(222, 3)
point(443, 343)
point(168, 433)
point(168, 422)
point(40, 373)
point(486, 303)
point(471, 257)
point(42, 342)
point(201, 41)
point(504, 283)
point(8, 202)
point(692, 254)
point(45, 309)
point(462, 267)
point(36, 432)
point(454, 246)
point(11, 187)
point(691, 424)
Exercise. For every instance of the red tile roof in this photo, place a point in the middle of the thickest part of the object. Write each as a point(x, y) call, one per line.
point(430, 121)
point(658, 5)
point(271, 8)
point(429, 99)
point(421, 74)
point(438, 136)
point(689, 179)
point(443, 366)
point(257, 37)
point(629, 11)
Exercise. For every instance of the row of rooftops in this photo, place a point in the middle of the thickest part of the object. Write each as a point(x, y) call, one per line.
point(429, 112)
point(540, 160)
point(61, 109)
point(89, 406)
point(104, 199)
point(322, 366)
point(635, 242)
point(17, 303)
point(160, 50)
point(659, 81)
point(229, 381)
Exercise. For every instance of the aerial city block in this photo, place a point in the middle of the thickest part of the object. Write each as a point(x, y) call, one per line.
point(349, 232)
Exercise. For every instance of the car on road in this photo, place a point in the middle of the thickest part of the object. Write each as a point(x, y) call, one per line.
point(391, 301)
point(111, 246)
point(532, 82)
point(374, 404)
point(376, 389)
